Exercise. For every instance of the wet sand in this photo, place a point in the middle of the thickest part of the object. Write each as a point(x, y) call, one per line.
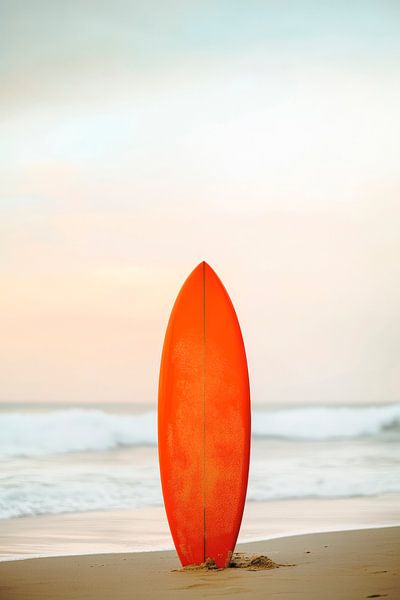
point(147, 529)
point(343, 565)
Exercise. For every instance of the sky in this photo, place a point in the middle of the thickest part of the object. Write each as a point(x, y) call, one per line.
point(138, 139)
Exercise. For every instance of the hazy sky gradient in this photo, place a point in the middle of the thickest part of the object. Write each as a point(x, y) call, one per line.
point(138, 139)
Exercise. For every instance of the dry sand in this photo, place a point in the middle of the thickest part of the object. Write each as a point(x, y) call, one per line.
point(343, 565)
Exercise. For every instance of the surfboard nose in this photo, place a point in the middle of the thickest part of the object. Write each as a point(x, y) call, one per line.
point(206, 266)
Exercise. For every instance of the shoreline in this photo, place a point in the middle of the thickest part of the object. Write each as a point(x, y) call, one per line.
point(339, 565)
point(146, 529)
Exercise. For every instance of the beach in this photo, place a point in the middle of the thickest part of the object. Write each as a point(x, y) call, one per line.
point(200, 300)
point(337, 565)
point(336, 548)
point(82, 516)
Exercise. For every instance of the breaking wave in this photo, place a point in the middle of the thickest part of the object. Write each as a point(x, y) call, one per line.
point(34, 434)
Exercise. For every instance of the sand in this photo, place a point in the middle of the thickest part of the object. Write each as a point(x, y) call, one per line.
point(343, 565)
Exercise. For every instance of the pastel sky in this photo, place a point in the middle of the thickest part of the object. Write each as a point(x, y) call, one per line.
point(139, 138)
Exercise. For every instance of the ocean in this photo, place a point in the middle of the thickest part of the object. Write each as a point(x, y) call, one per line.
point(76, 459)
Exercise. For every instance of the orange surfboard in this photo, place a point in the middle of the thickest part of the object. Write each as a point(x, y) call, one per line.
point(204, 421)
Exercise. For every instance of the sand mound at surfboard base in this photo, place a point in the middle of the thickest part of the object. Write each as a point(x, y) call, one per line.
point(207, 565)
point(251, 562)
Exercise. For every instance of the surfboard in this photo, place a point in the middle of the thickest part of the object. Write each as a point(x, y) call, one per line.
point(204, 421)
